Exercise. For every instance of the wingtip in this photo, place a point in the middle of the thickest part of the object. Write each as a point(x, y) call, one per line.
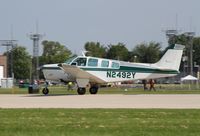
point(60, 65)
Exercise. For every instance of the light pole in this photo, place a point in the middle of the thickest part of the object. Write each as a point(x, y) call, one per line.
point(35, 60)
point(190, 35)
point(9, 44)
point(170, 34)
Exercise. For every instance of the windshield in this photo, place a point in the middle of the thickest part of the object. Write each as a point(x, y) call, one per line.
point(68, 61)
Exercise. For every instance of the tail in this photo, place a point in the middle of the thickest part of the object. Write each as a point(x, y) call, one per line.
point(172, 58)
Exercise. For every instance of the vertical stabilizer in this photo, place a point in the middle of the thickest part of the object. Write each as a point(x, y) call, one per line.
point(172, 58)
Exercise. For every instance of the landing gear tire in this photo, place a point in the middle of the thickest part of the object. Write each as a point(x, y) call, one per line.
point(93, 90)
point(45, 91)
point(81, 91)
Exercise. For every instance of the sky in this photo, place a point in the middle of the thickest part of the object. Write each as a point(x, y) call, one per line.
point(74, 22)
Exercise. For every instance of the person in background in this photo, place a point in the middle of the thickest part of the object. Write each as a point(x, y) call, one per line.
point(144, 82)
point(152, 82)
point(70, 85)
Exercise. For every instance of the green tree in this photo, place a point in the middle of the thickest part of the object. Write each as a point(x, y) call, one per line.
point(147, 53)
point(196, 48)
point(95, 49)
point(54, 52)
point(186, 40)
point(183, 39)
point(21, 63)
point(178, 39)
point(118, 52)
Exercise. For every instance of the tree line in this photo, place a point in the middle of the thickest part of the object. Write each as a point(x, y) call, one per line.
point(54, 52)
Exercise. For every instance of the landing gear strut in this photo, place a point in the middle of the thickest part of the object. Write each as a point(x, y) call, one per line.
point(81, 90)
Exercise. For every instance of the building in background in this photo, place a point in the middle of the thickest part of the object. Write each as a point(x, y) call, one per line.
point(3, 63)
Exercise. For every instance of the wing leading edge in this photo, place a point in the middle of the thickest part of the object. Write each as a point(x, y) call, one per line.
point(78, 73)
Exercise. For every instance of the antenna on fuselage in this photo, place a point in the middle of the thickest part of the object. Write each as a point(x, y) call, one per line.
point(83, 53)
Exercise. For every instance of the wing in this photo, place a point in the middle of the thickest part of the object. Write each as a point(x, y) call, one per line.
point(79, 73)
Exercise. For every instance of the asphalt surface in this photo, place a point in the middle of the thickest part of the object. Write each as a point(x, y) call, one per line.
point(101, 101)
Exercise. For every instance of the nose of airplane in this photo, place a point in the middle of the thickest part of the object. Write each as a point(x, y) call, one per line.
point(43, 66)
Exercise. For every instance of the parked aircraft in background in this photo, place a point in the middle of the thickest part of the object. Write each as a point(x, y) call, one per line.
point(85, 70)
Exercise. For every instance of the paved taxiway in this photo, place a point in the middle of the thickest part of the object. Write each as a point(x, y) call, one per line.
point(101, 101)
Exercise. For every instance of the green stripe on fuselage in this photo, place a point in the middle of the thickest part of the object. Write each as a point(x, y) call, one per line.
point(134, 69)
point(123, 69)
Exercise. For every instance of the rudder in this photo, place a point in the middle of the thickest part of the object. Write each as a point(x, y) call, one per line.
point(172, 58)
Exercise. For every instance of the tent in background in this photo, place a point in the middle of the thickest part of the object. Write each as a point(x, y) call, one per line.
point(190, 78)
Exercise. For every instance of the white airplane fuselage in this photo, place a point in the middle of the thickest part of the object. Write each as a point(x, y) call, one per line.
point(86, 69)
point(52, 72)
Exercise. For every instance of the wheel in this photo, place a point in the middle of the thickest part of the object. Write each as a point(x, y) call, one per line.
point(81, 91)
point(93, 90)
point(45, 91)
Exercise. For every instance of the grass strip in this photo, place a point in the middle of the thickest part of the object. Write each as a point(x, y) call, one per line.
point(99, 122)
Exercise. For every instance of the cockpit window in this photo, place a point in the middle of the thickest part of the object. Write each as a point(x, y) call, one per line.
point(80, 62)
point(93, 62)
point(105, 63)
point(68, 61)
point(115, 65)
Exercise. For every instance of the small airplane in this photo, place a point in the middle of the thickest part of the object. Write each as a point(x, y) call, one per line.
point(85, 70)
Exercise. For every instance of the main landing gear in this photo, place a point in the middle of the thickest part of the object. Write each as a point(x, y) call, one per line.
point(81, 91)
point(92, 90)
point(82, 83)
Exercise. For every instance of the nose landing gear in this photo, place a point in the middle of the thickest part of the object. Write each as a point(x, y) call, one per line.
point(45, 90)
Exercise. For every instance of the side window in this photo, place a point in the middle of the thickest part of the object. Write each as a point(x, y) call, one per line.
point(105, 63)
point(93, 62)
point(115, 65)
point(80, 62)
